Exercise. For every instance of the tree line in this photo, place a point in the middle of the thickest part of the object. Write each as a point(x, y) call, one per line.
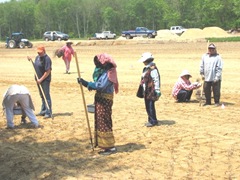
point(83, 18)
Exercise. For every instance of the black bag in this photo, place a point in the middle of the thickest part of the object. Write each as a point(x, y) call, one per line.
point(140, 92)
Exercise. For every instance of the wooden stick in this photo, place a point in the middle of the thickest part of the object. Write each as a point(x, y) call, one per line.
point(200, 102)
point(84, 102)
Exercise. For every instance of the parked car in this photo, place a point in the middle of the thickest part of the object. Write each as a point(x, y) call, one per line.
point(17, 40)
point(55, 35)
point(139, 31)
point(177, 29)
point(105, 35)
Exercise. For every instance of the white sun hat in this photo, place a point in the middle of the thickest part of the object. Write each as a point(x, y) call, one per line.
point(69, 41)
point(184, 73)
point(145, 56)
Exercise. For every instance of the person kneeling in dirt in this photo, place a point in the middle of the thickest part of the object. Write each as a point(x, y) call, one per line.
point(18, 95)
point(183, 88)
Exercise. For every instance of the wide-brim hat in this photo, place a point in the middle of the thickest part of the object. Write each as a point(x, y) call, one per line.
point(184, 73)
point(145, 56)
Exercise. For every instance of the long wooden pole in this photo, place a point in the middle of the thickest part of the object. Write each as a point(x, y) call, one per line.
point(84, 102)
point(200, 103)
point(40, 86)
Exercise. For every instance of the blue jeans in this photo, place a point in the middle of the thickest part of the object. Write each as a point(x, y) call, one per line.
point(46, 90)
point(150, 108)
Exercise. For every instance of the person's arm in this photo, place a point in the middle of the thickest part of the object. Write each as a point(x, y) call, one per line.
point(219, 66)
point(202, 67)
point(187, 85)
point(44, 76)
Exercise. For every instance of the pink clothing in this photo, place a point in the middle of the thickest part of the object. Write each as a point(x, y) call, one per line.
point(68, 52)
point(182, 84)
point(112, 73)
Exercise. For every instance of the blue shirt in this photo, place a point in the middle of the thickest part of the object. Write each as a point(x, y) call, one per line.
point(103, 84)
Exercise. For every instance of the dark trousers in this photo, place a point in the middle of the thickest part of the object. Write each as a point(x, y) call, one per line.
point(46, 90)
point(215, 87)
point(150, 108)
point(184, 95)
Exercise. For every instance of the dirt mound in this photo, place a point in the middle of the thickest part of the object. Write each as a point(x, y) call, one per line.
point(166, 34)
point(193, 33)
point(215, 32)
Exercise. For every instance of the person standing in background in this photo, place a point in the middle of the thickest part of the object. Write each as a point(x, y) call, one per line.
point(149, 87)
point(67, 55)
point(211, 71)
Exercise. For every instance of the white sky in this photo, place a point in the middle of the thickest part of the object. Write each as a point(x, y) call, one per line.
point(4, 1)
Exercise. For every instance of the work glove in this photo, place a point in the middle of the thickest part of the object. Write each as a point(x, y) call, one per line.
point(158, 94)
point(82, 81)
point(203, 77)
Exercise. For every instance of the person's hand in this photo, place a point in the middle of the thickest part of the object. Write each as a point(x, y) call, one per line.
point(215, 81)
point(158, 94)
point(203, 77)
point(82, 81)
point(90, 88)
point(29, 58)
point(199, 85)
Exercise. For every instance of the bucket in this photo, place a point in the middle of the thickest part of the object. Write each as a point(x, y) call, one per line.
point(91, 108)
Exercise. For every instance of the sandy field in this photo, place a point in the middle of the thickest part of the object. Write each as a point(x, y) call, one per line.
point(190, 141)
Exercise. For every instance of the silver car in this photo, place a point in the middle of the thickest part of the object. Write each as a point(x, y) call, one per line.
point(55, 35)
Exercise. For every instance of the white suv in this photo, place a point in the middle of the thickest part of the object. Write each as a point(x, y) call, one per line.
point(177, 29)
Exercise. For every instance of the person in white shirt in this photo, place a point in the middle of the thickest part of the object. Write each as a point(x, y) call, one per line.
point(18, 94)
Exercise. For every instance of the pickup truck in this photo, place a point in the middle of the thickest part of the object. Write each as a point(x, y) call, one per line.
point(105, 35)
point(177, 29)
point(139, 32)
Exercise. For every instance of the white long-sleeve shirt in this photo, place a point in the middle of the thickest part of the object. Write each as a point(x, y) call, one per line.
point(211, 67)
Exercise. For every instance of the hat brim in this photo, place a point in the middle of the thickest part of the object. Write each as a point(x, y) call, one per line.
point(142, 59)
point(40, 51)
point(186, 75)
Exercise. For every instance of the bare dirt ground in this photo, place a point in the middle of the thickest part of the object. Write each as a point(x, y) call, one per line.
point(190, 142)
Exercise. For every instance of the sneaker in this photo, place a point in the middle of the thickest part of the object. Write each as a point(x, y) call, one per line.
point(206, 104)
point(216, 104)
point(148, 124)
point(8, 127)
point(47, 116)
point(40, 114)
point(108, 151)
point(23, 121)
point(33, 126)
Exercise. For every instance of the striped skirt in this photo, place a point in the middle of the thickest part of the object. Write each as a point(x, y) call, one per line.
point(103, 132)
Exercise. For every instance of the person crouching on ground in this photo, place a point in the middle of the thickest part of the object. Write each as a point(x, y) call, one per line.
point(17, 94)
point(150, 84)
point(183, 88)
point(105, 83)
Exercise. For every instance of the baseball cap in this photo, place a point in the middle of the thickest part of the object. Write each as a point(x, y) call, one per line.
point(145, 56)
point(40, 49)
point(211, 46)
